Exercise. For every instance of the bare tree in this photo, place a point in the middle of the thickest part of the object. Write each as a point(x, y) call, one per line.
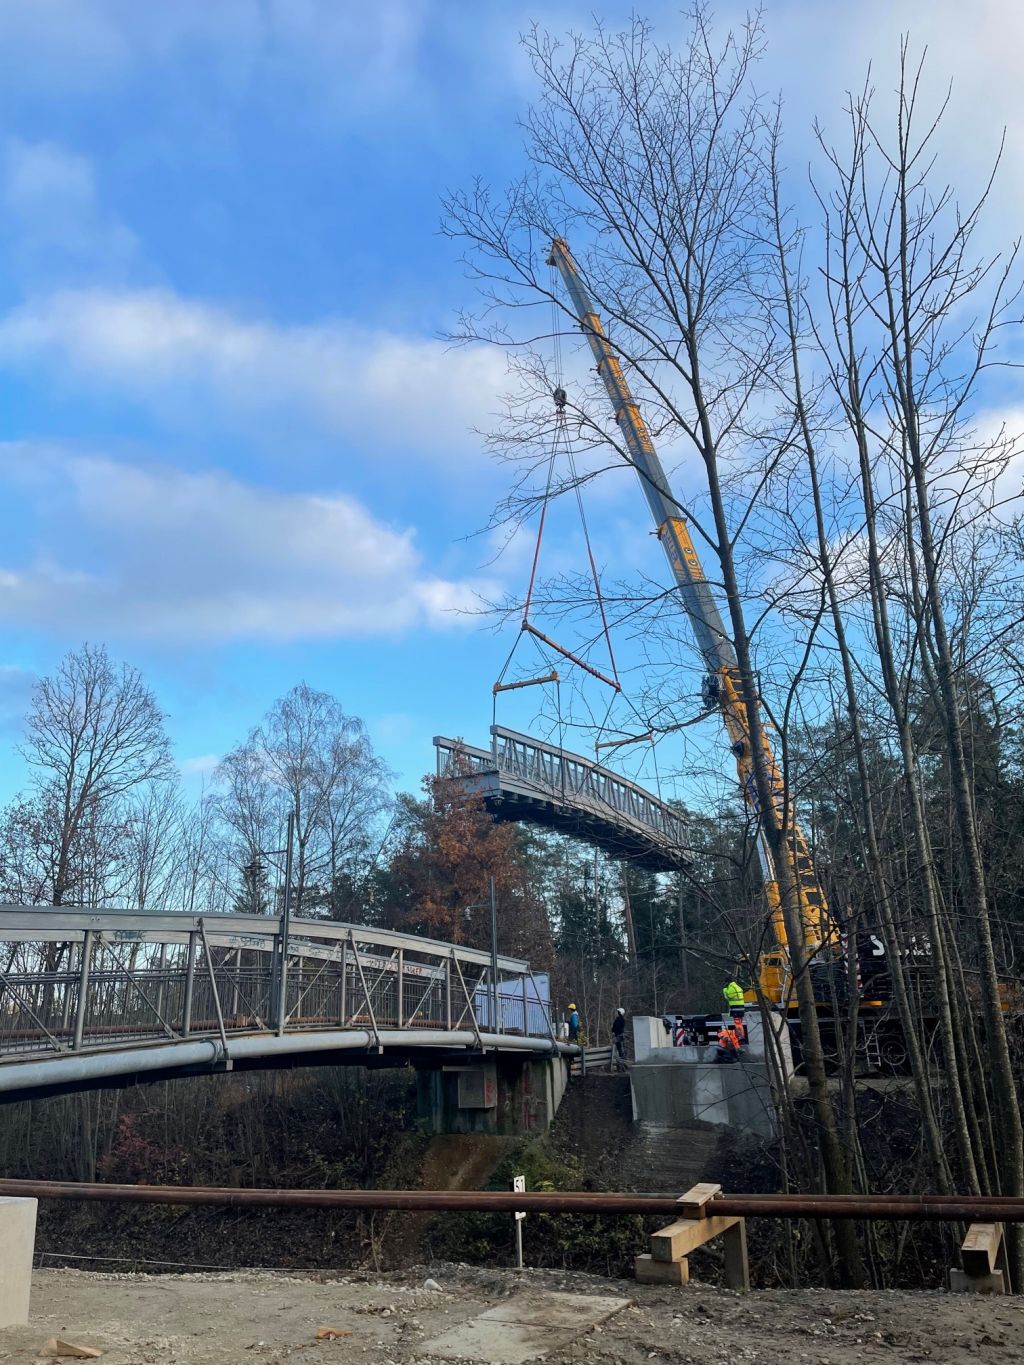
point(94, 732)
point(311, 758)
point(358, 799)
point(311, 748)
point(654, 162)
point(251, 809)
point(27, 849)
point(204, 874)
point(152, 828)
point(917, 317)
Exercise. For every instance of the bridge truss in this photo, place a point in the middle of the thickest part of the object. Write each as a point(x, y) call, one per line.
point(87, 996)
point(527, 779)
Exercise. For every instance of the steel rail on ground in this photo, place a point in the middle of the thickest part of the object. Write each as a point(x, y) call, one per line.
point(899, 1208)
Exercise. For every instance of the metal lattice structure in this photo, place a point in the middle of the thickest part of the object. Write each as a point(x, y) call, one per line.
point(91, 994)
point(527, 779)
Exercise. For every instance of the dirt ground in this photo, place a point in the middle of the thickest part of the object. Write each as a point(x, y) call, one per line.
point(267, 1318)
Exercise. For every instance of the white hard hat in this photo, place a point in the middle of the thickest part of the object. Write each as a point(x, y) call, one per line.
point(620, 1010)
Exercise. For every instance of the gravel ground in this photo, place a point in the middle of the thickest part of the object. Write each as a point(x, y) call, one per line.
point(268, 1317)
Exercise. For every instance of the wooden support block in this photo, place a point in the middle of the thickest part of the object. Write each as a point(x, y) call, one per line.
point(650, 1271)
point(686, 1235)
point(962, 1283)
point(737, 1265)
point(981, 1247)
point(693, 1204)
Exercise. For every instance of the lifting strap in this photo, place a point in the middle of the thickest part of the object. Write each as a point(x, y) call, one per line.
point(527, 627)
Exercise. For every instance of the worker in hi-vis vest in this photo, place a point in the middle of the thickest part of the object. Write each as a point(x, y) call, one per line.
point(728, 1045)
point(733, 993)
point(734, 997)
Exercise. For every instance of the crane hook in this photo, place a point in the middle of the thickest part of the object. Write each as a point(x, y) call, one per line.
point(561, 398)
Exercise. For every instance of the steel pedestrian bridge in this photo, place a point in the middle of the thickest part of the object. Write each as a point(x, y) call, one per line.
point(526, 779)
point(97, 998)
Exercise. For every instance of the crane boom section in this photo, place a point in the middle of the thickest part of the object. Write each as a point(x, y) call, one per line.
point(699, 603)
point(674, 534)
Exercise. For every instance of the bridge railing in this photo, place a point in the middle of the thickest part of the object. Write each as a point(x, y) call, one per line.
point(567, 777)
point(75, 980)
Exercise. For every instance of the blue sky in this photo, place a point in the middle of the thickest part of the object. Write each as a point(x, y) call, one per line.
point(235, 448)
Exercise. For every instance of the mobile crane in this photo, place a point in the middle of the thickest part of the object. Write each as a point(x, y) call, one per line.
point(723, 688)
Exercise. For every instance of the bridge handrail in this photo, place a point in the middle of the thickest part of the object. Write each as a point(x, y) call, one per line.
point(640, 804)
point(586, 777)
point(19, 923)
point(76, 981)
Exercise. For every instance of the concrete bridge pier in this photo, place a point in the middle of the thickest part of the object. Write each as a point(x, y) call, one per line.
point(499, 1093)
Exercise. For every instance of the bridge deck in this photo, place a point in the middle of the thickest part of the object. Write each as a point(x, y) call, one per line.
point(526, 779)
point(85, 994)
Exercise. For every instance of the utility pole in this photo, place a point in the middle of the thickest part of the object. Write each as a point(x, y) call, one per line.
point(684, 957)
point(286, 921)
point(627, 908)
point(494, 957)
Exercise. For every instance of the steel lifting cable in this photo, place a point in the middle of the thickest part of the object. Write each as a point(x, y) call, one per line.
point(590, 556)
point(541, 524)
point(560, 435)
point(527, 626)
point(559, 395)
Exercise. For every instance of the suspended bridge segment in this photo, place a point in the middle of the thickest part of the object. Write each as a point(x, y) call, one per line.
point(527, 779)
point(101, 998)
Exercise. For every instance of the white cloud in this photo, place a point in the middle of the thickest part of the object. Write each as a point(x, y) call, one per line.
point(16, 685)
point(53, 219)
point(41, 177)
point(201, 765)
point(367, 385)
point(975, 46)
point(167, 555)
point(346, 54)
point(78, 43)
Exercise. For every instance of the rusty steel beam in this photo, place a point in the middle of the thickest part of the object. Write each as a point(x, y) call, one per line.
point(932, 1208)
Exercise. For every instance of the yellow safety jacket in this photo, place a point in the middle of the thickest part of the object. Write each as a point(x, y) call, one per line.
point(733, 995)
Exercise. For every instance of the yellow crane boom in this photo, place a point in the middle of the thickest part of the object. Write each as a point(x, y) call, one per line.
point(723, 687)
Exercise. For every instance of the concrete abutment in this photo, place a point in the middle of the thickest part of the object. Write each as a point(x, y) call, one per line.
point(505, 1094)
point(675, 1086)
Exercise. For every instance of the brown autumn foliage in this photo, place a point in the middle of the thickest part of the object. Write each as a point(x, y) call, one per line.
point(441, 875)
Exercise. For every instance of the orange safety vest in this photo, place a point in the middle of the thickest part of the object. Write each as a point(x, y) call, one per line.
point(727, 1041)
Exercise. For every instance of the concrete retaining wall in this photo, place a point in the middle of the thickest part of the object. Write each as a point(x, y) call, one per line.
point(677, 1092)
point(649, 1032)
point(652, 1039)
point(17, 1244)
point(677, 1085)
